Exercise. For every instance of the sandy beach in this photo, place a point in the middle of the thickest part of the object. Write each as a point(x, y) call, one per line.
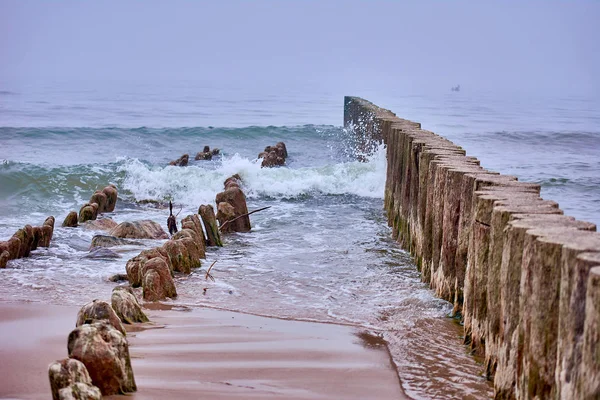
point(207, 353)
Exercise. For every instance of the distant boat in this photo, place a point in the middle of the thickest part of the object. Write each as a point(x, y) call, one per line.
point(456, 88)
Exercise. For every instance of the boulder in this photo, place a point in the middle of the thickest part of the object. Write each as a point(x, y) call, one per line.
point(181, 161)
point(4, 257)
point(70, 377)
point(111, 241)
point(237, 199)
point(192, 222)
point(105, 353)
point(99, 197)
point(144, 229)
point(104, 224)
point(71, 220)
point(126, 306)
point(102, 253)
point(157, 281)
point(194, 252)
point(111, 197)
point(98, 310)
point(213, 237)
point(87, 212)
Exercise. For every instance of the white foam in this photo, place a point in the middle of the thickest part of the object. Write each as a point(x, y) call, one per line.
point(197, 184)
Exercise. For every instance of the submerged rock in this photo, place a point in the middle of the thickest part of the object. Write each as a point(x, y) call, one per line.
point(144, 229)
point(105, 353)
point(118, 278)
point(102, 252)
point(98, 310)
point(111, 241)
point(104, 224)
point(69, 379)
point(126, 305)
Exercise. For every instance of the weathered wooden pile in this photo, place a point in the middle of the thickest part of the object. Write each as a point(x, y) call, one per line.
point(25, 240)
point(523, 277)
point(98, 362)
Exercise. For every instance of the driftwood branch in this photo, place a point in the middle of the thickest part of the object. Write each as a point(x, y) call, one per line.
point(243, 215)
point(208, 275)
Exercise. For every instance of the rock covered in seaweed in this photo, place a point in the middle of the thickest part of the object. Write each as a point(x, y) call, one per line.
point(98, 310)
point(71, 220)
point(126, 305)
point(69, 379)
point(105, 352)
point(213, 236)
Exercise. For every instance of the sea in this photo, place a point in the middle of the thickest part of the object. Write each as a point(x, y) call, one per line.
point(323, 250)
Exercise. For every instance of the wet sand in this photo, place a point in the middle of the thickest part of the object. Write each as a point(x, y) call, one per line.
point(205, 353)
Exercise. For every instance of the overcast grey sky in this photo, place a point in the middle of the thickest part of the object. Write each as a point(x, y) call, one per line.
point(414, 45)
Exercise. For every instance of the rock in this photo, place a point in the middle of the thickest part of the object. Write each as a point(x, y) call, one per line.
point(225, 213)
point(181, 161)
point(4, 257)
point(47, 231)
point(274, 155)
point(144, 229)
point(216, 151)
point(99, 198)
point(102, 253)
point(271, 160)
point(205, 154)
point(117, 278)
point(105, 353)
point(104, 224)
point(126, 306)
point(87, 213)
point(157, 281)
point(111, 241)
point(98, 310)
point(194, 252)
point(111, 197)
point(233, 181)
point(281, 150)
point(71, 375)
point(80, 391)
point(71, 220)
point(213, 237)
point(237, 199)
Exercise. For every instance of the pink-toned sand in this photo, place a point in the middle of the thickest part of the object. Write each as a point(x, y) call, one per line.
point(207, 354)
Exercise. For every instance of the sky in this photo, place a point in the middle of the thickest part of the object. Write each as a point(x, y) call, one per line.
point(534, 46)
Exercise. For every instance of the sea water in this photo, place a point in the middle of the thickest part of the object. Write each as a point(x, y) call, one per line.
point(322, 251)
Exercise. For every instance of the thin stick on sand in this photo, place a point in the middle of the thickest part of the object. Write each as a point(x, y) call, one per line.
point(243, 215)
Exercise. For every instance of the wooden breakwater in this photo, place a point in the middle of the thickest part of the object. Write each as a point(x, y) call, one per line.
point(524, 278)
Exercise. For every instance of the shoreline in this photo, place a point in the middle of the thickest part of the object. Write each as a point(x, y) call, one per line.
point(203, 351)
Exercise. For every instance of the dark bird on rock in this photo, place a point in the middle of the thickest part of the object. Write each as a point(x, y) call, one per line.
point(171, 221)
